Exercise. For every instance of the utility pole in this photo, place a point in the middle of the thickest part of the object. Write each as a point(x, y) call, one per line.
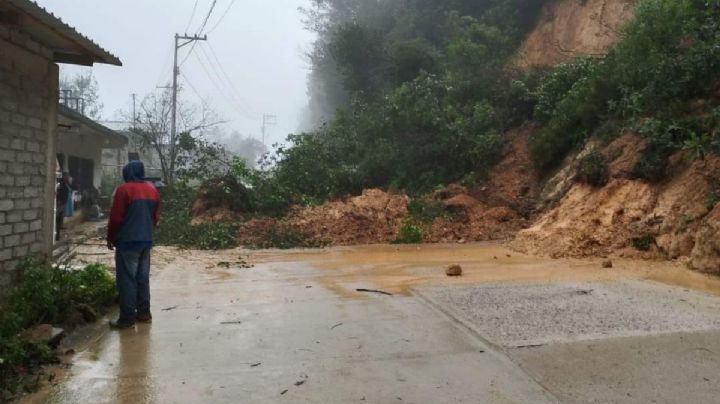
point(268, 120)
point(134, 121)
point(176, 72)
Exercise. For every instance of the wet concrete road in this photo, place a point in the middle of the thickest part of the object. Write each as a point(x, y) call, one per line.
point(293, 329)
point(275, 333)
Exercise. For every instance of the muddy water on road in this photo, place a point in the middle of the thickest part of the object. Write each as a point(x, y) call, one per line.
point(398, 269)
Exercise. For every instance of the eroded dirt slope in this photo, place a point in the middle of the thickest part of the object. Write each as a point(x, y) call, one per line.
point(571, 28)
point(673, 219)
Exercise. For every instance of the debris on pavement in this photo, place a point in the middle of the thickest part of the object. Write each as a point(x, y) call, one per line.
point(454, 270)
point(230, 322)
point(239, 264)
point(302, 381)
point(254, 365)
point(382, 292)
point(170, 308)
point(282, 393)
point(336, 326)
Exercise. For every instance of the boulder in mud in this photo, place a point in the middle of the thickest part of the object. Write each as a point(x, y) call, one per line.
point(454, 270)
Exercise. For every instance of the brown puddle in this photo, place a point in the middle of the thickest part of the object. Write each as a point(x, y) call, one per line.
point(398, 269)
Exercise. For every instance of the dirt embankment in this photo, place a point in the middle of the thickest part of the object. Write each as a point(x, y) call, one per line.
point(633, 218)
point(373, 217)
point(571, 28)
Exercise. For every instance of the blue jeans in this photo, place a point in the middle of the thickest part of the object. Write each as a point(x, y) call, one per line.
point(133, 283)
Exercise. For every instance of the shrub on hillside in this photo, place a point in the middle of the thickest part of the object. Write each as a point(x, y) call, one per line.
point(409, 234)
point(667, 56)
point(593, 169)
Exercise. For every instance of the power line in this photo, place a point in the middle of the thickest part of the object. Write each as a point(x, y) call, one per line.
point(187, 56)
point(202, 27)
point(228, 80)
point(165, 65)
point(207, 17)
point(192, 87)
point(229, 88)
point(192, 16)
point(227, 10)
point(221, 89)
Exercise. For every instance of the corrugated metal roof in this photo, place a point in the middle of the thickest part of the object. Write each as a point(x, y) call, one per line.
point(75, 116)
point(68, 45)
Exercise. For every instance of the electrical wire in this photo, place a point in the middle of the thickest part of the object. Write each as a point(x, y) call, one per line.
point(221, 89)
point(165, 65)
point(194, 90)
point(192, 16)
point(199, 32)
point(226, 76)
point(227, 10)
point(207, 17)
point(224, 91)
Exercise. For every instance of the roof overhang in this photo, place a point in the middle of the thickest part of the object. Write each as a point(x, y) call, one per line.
point(64, 41)
point(70, 120)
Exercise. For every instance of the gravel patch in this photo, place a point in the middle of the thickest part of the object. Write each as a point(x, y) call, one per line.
point(521, 315)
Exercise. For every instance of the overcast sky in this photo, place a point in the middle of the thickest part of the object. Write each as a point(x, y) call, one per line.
point(259, 45)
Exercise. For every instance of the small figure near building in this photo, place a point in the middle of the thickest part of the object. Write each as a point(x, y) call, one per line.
point(63, 196)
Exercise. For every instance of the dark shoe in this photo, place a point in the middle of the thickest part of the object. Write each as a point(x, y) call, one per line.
point(145, 318)
point(120, 325)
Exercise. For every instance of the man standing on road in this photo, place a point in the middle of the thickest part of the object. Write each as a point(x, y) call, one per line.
point(135, 212)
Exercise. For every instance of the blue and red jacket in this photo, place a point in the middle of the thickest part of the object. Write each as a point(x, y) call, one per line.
point(135, 211)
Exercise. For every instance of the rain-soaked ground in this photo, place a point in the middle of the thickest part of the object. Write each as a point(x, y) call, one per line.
point(514, 329)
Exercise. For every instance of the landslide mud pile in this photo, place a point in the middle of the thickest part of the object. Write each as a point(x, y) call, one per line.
point(467, 219)
point(569, 28)
point(220, 200)
point(373, 217)
point(673, 219)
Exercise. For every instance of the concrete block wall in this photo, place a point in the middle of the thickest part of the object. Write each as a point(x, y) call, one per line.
point(28, 123)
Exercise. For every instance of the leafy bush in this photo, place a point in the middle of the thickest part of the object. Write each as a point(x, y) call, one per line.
point(175, 223)
point(425, 211)
point(652, 165)
point(409, 234)
point(45, 294)
point(557, 83)
point(593, 169)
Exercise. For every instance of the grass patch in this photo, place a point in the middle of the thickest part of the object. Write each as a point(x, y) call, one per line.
point(409, 234)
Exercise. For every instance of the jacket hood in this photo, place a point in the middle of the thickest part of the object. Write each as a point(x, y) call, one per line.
point(134, 171)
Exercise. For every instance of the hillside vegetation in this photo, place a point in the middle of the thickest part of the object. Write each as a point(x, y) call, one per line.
point(426, 92)
point(443, 101)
